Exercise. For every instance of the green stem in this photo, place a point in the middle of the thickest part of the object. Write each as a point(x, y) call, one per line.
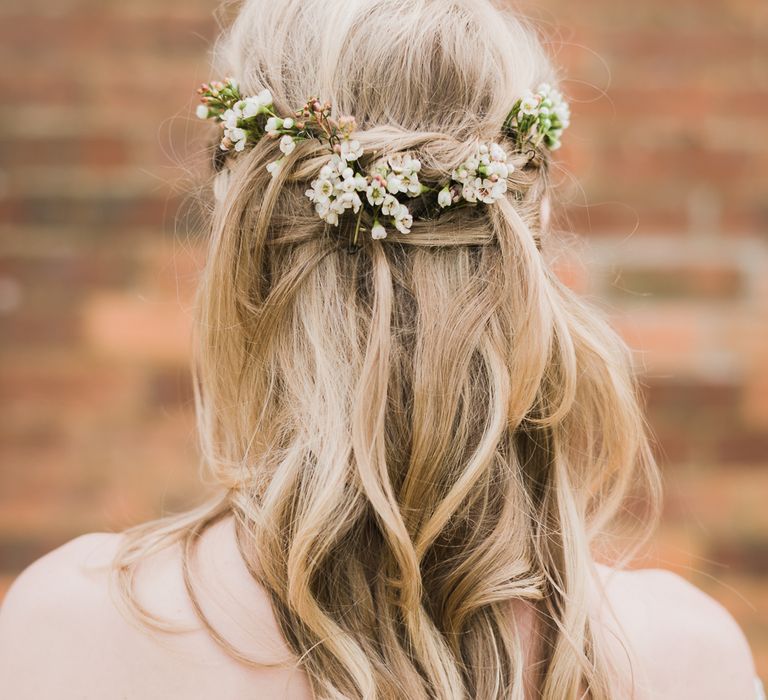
point(357, 226)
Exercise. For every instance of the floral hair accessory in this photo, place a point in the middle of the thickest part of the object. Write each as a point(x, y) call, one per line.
point(537, 117)
point(383, 185)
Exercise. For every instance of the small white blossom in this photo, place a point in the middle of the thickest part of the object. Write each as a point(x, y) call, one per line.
point(469, 190)
point(412, 165)
point(350, 200)
point(274, 168)
point(403, 219)
point(347, 185)
point(252, 107)
point(230, 118)
point(460, 174)
point(287, 144)
point(563, 114)
point(238, 137)
point(351, 150)
point(529, 104)
point(413, 187)
point(378, 231)
point(498, 153)
point(376, 192)
point(389, 205)
point(444, 198)
point(321, 191)
point(202, 112)
point(265, 98)
point(328, 215)
point(288, 123)
point(273, 125)
point(395, 184)
point(500, 170)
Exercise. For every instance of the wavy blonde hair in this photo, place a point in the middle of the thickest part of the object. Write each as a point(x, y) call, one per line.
point(413, 436)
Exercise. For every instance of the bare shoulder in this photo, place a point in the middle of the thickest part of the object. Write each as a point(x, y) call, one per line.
point(683, 643)
point(69, 576)
point(51, 618)
point(63, 636)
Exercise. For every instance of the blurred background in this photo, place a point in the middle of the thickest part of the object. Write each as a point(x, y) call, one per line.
point(664, 179)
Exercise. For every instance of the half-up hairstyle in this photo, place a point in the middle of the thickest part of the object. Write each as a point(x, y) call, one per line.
point(415, 436)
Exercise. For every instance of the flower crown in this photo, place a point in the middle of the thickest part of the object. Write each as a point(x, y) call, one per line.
point(537, 118)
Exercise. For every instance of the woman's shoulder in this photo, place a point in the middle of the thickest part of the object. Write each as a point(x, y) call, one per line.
point(53, 619)
point(64, 635)
point(60, 628)
point(62, 583)
point(682, 642)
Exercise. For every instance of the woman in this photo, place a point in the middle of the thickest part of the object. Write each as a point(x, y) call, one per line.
point(423, 441)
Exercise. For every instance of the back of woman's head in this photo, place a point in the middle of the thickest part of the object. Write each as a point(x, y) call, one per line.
point(413, 435)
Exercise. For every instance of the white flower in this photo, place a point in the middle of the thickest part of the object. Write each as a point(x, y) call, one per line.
point(251, 107)
point(472, 163)
point(529, 104)
point(238, 137)
point(350, 200)
point(321, 191)
point(274, 168)
point(376, 192)
point(265, 97)
point(403, 219)
point(347, 184)
point(444, 199)
point(500, 170)
point(484, 192)
point(229, 118)
point(412, 184)
point(562, 111)
point(460, 174)
point(351, 150)
point(331, 217)
point(288, 123)
point(337, 163)
point(498, 153)
point(287, 144)
point(395, 184)
point(273, 126)
point(323, 187)
point(389, 205)
point(489, 191)
point(202, 112)
point(469, 189)
point(361, 183)
point(378, 231)
point(413, 165)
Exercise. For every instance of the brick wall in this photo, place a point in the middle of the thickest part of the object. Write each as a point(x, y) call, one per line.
point(665, 177)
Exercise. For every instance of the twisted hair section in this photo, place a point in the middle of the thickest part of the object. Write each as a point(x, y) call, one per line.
point(418, 438)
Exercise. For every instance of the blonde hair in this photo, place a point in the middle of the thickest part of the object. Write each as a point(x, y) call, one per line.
point(413, 436)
